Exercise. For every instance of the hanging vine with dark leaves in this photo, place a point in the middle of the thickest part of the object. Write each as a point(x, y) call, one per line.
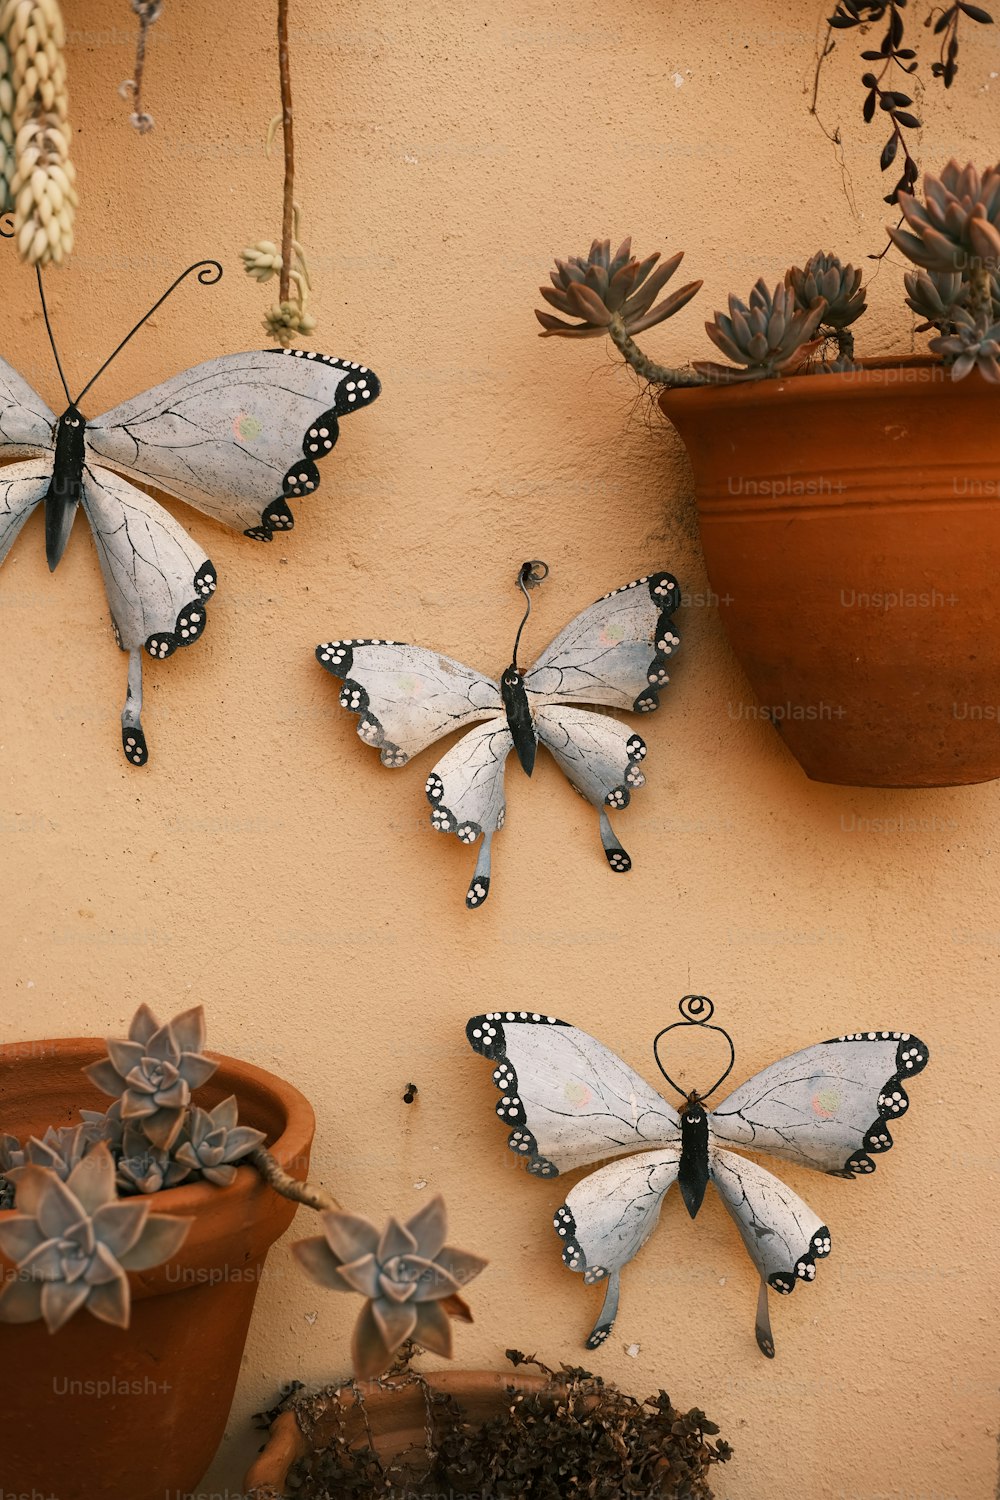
point(893, 52)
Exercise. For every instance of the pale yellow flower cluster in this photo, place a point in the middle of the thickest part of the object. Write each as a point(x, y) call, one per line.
point(33, 103)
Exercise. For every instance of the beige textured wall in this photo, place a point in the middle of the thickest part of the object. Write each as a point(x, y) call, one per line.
point(264, 862)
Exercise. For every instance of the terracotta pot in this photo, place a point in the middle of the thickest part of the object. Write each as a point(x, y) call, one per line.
point(851, 528)
point(396, 1417)
point(138, 1414)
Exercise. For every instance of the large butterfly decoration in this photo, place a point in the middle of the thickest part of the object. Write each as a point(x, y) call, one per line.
point(236, 438)
point(571, 1102)
point(614, 655)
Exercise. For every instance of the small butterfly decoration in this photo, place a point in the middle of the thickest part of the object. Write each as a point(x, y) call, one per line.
point(612, 655)
point(237, 438)
point(571, 1102)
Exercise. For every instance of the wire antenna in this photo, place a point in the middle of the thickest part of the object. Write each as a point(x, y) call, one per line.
point(529, 576)
point(48, 330)
point(209, 272)
point(696, 1010)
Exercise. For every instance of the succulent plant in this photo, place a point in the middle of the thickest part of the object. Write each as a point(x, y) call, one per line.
point(59, 1149)
point(215, 1141)
point(840, 287)
point(105, 1125)
point(970, 347)
point(145, 1168)
point(410, 1278)
point(958, 222)
point(154, 1071)
point(766, 336)
point(602, 288)
point(11, 1156)
point(933, 296)
point(72, 1243)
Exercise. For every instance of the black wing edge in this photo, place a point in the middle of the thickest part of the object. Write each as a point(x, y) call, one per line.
point(804, 1268)
point(337, 657)
point(912, 1056)
point(486, 1036)
point(318, 440)
point(665, 592)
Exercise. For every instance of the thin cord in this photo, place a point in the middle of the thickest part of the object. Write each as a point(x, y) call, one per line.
point(48, 330)
point(205, 269)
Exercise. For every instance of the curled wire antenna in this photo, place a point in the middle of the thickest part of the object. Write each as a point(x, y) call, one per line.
point(529, 576)
point(696, 1010)
point(7, 226)
point(209, 272)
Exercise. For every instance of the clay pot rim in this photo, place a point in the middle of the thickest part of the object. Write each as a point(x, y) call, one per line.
point(874, 377)
point(201, 1198)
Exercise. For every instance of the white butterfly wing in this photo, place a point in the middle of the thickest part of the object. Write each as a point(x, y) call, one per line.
point(157, 579)
point(237, 437)
point(608, 1217)
point(827, 1107)
point(568, 1099)
point(22, 487)
point(26, 424)
point(616, 652)
point(405, 696)
point(783, 1237)
point(601, 758)
point(465, 790)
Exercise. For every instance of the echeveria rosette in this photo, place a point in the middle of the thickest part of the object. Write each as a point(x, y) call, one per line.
point(73, 1242)
point(410, 1278)
point(840, 287)
point(61, 1150)
point(154, 1071)
point(601, 287)
point(215, 1141)
point(145, 1168)
point(969, 348)
point(956, 224)
point(769, 335)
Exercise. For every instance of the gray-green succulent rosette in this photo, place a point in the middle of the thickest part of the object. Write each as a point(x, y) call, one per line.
point(73, 1242)
point(410, 1279)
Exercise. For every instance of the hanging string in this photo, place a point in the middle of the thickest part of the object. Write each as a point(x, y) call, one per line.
point(148, 11)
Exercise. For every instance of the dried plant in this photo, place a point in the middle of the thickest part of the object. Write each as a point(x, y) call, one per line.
point(576, 1436)
point(410, 1279)
point(33, 101)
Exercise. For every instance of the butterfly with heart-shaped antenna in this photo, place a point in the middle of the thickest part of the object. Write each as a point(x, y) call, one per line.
point(613, 655)
point(236, 438)
point(570, 1102)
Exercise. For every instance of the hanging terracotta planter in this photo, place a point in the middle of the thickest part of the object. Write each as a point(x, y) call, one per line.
point(851, 529)
point(137, 1414)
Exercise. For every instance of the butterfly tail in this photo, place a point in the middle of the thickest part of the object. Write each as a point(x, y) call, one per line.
point(616, 856)
point(133, 739)
point(601, 1330)
point(762, 1327)
point(479, 889)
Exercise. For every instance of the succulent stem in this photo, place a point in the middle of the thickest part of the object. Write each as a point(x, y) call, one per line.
point(298, 1192)
point(980, 295)
point(288, 197)
point(643, 365)
point(845, 343)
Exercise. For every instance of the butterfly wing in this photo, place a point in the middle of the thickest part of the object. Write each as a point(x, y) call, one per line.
point(156, 578)
point(827, 1107)
point(568, 1099)
point(22, 487)
point(26, 424)
point(406, 697)
point(237, 437)
point(615, 653)
point(600, 758)
point(608, 1217)
point(465, 791)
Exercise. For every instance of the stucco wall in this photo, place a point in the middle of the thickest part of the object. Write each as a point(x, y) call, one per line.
point(265, 863)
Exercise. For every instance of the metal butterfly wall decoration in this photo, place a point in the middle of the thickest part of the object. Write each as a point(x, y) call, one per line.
point(236, 438)
point(614, 655)
point(571, 1102)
